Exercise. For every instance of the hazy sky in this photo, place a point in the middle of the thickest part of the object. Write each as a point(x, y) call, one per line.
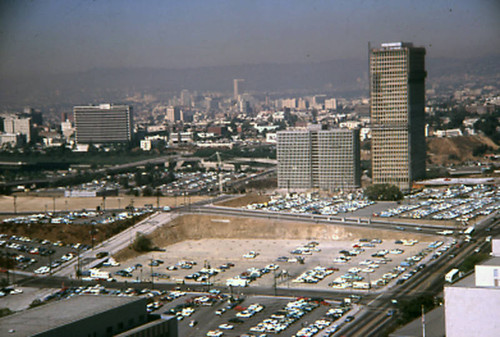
point(69, 35)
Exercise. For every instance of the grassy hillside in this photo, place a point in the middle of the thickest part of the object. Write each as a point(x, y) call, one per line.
point(456, 149)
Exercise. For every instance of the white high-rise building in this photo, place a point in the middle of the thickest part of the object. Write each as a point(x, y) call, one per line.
point(325, 159)
point(101, 124)
point(18, 126)
point(331, 104)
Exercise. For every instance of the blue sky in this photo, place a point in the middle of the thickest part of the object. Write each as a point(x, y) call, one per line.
point(73, 35)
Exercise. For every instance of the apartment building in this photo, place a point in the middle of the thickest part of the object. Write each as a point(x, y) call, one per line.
point(324, 159)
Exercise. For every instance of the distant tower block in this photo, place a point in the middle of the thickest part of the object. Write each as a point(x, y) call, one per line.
point(235, 87)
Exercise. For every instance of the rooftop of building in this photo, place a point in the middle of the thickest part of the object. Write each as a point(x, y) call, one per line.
point(395, 46)
point(55, 314)
point(466, 282)
point(493, 261)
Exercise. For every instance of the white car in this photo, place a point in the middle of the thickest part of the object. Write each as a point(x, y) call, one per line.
point(214, 333)
point(226, 326)
point(42, 270)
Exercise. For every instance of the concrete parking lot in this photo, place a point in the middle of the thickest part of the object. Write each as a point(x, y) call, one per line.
point(235, 321)
point(175, 263)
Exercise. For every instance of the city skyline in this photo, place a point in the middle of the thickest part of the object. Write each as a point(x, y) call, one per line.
point(55, 36)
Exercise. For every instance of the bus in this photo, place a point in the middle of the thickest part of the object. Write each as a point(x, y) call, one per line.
point(452, 275)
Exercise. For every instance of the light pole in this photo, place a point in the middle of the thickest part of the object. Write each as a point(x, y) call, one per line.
point(152, 277)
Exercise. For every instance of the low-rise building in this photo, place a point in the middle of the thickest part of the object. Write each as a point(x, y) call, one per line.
point(88, 315)
point(472, 305)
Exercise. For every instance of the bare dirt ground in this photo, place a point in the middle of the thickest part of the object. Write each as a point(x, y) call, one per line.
point(197, 227)
point(250, 198)
point(42, 204)
point(212, 240)
point(456, 149)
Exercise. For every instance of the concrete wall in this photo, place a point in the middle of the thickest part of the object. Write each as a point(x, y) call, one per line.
point(495, 247)
point(486, 276)
point(472, 312)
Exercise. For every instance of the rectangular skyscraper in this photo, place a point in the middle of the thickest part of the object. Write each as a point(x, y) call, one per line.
point(397, 98)
point(102, 124)
point(174, 114)
point(327, 159)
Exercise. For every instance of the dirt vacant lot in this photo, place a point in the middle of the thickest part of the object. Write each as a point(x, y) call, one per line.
point(197, 227)
point(251, 198)
point(42, 204)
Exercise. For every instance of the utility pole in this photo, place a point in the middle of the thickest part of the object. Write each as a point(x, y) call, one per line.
point(152, 277)
point(78, 271)
point(219, 168)
point(274, 285)
point(54, 204)
point(15, 204)
point(423, 321)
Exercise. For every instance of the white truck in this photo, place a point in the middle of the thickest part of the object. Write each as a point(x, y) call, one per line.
point(236, 282)
point(452, 275)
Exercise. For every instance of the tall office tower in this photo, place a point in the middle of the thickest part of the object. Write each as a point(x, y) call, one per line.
point(174, 114)
point(331, 104)
point(290, 103)
point(397, 96)
point(327, 159)
point(185, 98)
point(104, 123)
point(235, 88)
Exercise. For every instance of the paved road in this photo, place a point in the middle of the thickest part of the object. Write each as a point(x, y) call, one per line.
point(121, 240)
point(124, 239)
point(320, 219)
point(369, 322)
point(373, 320)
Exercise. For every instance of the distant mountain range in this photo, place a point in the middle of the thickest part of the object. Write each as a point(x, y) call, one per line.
point(337, 77)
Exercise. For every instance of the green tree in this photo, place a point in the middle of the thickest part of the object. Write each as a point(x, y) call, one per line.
point(412, 308)
point(5, 312)
point(142, 243)
point(147, 192)
point(489, 125)
point(383, 192)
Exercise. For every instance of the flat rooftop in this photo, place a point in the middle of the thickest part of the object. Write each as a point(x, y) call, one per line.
point(466, 282)
point(52, 315)
point(493, 261)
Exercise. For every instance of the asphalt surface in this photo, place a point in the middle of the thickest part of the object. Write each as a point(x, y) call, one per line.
point(321, 219)
point(370, 322)
point(120, 241)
